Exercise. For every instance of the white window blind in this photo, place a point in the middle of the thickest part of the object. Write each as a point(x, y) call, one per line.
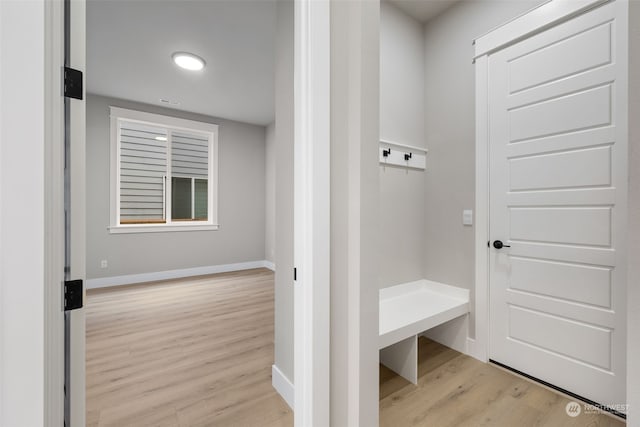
point(143, 170)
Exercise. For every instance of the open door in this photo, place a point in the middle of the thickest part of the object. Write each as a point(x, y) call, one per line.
point(75, 134)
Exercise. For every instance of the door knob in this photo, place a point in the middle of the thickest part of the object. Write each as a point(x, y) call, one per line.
point(499, 245)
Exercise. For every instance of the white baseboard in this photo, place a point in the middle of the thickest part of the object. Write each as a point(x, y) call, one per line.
point(271, 266)
point(130, 279)
point(474, 350)
point(282, 385)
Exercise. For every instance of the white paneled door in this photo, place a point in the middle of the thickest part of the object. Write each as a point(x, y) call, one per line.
point(558, 172)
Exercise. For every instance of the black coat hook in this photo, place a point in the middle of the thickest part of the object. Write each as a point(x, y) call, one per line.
point(408, 156)
point(385, 153)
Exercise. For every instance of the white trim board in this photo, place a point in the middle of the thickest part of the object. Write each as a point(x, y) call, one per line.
point(283, 386)
point(472, 350)
point(480, 349)
point(76, 130)
point(538, 19)
point(311, 213)
point(387, 143)
point(270, 265)
point(54, 213)
point(130, 279)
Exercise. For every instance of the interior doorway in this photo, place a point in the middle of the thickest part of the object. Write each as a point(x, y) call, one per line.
point(312, 378)
point(180, 113)
point(133, 213)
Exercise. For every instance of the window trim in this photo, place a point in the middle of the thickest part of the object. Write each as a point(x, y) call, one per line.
point(118, 114)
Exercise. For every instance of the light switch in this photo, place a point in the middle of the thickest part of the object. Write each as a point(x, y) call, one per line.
point(467, 217)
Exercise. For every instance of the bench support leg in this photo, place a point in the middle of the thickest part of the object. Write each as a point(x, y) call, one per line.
point(402, 358)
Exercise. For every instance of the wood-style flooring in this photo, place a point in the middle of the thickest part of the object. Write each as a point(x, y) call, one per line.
point(198, 352)
point(455, 390)
point(189, 352)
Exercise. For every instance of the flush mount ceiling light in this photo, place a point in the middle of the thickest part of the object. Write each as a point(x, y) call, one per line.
point(188, 61)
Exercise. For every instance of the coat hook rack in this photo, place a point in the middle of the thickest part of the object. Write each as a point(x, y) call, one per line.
point(402, 155)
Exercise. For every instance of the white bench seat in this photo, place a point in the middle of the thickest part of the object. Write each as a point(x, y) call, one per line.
point(410, 309)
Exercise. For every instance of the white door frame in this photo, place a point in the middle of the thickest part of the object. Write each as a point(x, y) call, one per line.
point(54, 110)
point(77, 134)
point(538, 19)
point(54, 212)
point(311, 212)
point(30, 266)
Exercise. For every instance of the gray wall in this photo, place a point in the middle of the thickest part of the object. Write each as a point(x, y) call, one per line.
point(270, 193)
point(241, 203)
point(450, 134)
point(633, 288)
point(402, 191)
point(284, 190)
point(401, 77)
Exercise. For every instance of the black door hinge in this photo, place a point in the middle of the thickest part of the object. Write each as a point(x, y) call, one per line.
point(73, 294)
point(72, 83)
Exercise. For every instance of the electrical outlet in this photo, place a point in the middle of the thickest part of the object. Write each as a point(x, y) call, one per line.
point(104, 263)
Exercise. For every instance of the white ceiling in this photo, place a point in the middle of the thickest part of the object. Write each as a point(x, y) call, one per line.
point(130, 42)
point(423, 10)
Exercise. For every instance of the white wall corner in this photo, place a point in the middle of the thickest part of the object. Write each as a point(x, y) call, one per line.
point(270, 265)
point(130, 279)
point(283, 386)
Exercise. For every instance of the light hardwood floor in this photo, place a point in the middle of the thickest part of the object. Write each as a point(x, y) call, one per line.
point(198, 352)
point(455, 390)
point(190, 352)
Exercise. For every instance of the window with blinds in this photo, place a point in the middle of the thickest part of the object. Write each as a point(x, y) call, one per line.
point(143, 171)
point(165, 171)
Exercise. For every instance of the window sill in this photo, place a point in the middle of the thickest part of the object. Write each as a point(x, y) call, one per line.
point(160, 228)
